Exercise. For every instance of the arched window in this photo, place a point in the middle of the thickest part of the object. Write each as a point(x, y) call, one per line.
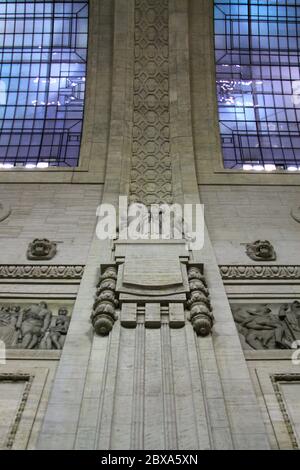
point(43, 57)
point(257, 49)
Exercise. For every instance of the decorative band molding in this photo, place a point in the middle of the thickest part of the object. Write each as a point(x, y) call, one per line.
point(276, 380)
point(260, 272)
point(67, 272)
point(17, 377)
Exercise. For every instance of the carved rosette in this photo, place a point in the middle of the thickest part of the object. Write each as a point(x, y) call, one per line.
point(104, 311)
point(198, 303)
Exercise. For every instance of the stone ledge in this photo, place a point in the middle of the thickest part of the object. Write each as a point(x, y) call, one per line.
point(35, 354)
point(271, 355)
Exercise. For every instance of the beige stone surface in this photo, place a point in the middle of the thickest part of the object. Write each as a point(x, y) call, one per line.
point(151, 386)
point(62, 213)
point(237, 215)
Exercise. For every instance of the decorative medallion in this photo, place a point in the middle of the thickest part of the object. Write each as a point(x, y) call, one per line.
point(261, 250)
point(41, 250)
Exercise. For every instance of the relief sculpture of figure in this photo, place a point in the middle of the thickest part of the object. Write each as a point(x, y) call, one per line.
point(8, 323)
point(290, 316)
point(35, 322)
point(261, 328)
point(58, 332)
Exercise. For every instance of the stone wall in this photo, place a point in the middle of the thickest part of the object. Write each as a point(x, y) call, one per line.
point(237, 215)
point(62, 213)
point(25, 384)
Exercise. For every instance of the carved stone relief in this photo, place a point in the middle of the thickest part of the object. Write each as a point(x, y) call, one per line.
point(33, 326)
point(104, 312)
point(268, 326)
point(295, 213)
point(28, 271)
point(198, 303)
point(5, 211)
point(41, 250)
point(151, 175)
point(170, 294)
point(261, 250)
point(260, 272)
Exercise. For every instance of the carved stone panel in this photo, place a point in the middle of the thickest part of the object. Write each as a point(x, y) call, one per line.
point(20, 398)
point(33, 326)
point(268, 326)
point(14, 390)
point(151, 175)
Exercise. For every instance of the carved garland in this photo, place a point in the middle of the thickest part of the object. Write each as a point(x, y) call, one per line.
point(104, 312)
point(198, 303)
point(260, 272)
point(276, 379)
point(9, 271)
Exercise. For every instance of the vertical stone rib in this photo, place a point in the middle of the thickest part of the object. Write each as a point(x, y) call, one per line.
point(171, 441)
point(151, 175)
point(105, 418)
point(154, 419)
point(123, 393)
point(137, 431)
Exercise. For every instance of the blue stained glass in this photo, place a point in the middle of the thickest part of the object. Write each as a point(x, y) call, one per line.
point(257, 51)
point(43, 65)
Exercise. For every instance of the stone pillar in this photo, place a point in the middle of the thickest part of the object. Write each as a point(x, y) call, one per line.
point(159, 364)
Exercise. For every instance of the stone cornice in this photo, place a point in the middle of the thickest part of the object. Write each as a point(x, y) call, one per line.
point(51, 272)
point(260, 272)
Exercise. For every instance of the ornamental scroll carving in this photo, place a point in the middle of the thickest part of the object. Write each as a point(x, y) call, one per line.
point(104, 312)
point(260, 272)
point(151, 176)
point(28, 271)
point(33, 326)
point(198, 303)
point(268, 326)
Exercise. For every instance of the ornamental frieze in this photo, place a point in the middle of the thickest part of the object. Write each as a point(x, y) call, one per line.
point(28, 271)
point(259, 272)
